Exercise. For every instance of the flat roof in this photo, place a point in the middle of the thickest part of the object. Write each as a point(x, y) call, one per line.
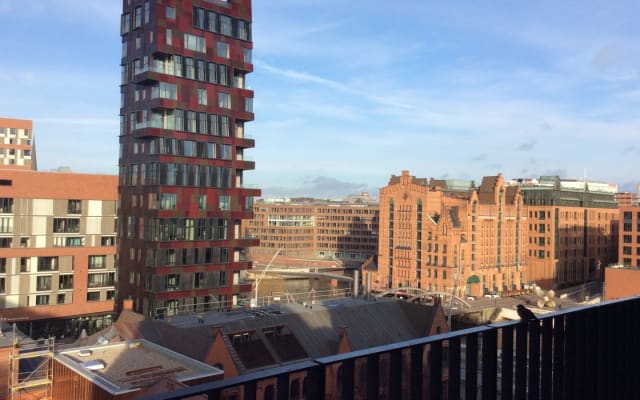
point(127, 366)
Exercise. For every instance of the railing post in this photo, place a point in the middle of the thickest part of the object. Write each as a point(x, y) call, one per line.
point(546, 366)
point(435, 371)
point(316, 383)
point(559, 375)
point(347, 378)
point(417, 377)
point(506, 369)
point(283, 387)
point(534, 359)
point(521, 361)
point(395, 370)
point(489, 364)
point(454, 368)
point(373, 377)
point(471, 367)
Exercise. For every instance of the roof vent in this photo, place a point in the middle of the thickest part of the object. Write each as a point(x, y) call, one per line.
point(93, 365)
point(85, 353)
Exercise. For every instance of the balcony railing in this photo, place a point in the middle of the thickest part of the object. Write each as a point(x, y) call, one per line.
point(585, 353)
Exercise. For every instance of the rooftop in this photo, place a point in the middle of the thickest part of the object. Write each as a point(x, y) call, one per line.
point(125, 366)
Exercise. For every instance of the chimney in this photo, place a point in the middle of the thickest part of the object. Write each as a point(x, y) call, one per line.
point(127, 304)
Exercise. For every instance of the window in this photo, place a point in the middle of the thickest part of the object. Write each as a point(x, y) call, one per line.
point(60, 298)
point(171, 13)
point(66, 225)
point(93, 296)
point(74, 207)
point(6, 225)
point(199, 280)
point(167, 201)
point(225, 202)
point(65, 282)
point(168, 37)
point(195, 43)
point(6, 205)
point(172, 282)
point(2, 284)
point(42, 299)
point(202, 202)
point(222, 49)
point(224, 100)
point(97, 262)
point(247, 56)
point(202, 97)
point(47, 264)
point(147, 11)
point(111, 294)
point(243, 30)
point(107, 241)
point(125, 23)
point(248, 104)
point(101, 279)
point(164, 90)
point(43, 282)
point(3, 265)
point(225, 25)
point(137, 17)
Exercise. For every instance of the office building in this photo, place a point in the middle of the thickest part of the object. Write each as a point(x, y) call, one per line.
point(451, 236)
point(183, 148)
point(57, 250)
point(315, 232)
point(16, 144)
point(572, 229)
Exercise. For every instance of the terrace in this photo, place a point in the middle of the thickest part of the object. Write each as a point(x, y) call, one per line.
point(583, 353)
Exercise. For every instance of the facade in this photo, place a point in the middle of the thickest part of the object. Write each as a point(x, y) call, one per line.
point(572, 230)
point(629, 239)
point(16, 144)
point(312, 231)
point(182, 163)
point(57, 250)
point(449, 236)
point(621, 281)
point(627, 199)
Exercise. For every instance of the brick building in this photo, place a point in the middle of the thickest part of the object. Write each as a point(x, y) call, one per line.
point(572, 229)
point(16, 144)
point(312, 231)
point(438, 235)
point(57, 249)
point(184, 107)
point(623, 279)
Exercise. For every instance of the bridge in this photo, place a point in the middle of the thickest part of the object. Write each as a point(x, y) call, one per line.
point(416, 294)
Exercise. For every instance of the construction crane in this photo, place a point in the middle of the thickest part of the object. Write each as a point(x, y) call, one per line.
point(260, 277)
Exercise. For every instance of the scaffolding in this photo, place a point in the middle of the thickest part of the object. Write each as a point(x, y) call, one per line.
point(30, 368)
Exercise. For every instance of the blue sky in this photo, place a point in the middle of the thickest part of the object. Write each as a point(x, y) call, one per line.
point(348, 93)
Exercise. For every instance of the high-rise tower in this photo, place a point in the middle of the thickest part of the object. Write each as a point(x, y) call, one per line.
point(184, 106)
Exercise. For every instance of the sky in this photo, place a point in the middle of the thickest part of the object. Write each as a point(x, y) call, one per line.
point(348, 93)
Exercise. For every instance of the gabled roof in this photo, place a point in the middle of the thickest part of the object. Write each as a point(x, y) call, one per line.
point(295, 334)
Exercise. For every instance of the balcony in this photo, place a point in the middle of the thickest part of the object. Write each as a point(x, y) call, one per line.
point(586, 353)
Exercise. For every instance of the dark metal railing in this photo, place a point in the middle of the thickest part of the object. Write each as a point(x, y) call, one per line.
point(586, 353)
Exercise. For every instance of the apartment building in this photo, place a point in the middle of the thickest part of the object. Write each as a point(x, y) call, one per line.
point(451, 236)
point(184, 109)
point(57, 250)
point(16, 144)
point(572, 229)
point(314, 231)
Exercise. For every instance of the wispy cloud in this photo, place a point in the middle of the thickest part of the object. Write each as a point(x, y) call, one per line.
point(526, 146)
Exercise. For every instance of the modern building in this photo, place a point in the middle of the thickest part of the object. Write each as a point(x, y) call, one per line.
point(451, 236)
point(572, 229)
point(315, 232)
point(57, 251)
point(183, 149)
point(17, 150)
